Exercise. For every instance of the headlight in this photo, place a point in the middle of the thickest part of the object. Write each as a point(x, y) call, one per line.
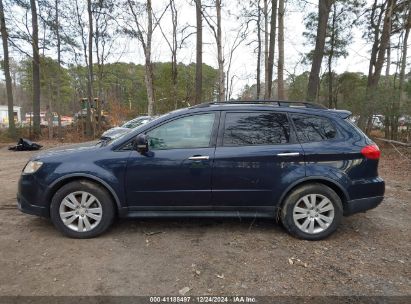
point(32, 166)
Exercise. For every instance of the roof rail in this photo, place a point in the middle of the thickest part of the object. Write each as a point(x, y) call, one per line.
point(279, 103)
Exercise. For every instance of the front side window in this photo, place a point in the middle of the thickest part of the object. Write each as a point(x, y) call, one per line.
point(312, 128)
point(187, 132)
point(256, 128)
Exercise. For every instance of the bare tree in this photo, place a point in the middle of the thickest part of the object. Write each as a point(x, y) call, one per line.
point(407, 28)
point(241, 35)
point(104, 13)
point(280, 68)
point(58, 81)
point(324, 7)
point(199, 53)
point(174, 71)
point(86, 43)
point(401, 81)
point(215, 27)
point(173, 46)
point(259, 49)
point(145, 38)
point(270, 62)
point(266, 41)
point(377, 58)
point(36, 68)
point(6, 66)
point(90, 95)
point(220, 56)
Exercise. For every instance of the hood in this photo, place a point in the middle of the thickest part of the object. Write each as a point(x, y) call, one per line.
point(86, 146)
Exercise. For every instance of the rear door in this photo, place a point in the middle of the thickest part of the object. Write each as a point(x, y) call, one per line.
point(256, 158)
point(324, 147)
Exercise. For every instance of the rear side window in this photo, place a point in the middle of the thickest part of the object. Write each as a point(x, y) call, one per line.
point(256, 128)
point(313, 128)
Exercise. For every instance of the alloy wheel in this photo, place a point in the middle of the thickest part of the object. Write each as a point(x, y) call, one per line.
point(81, 211)
point(313, 213)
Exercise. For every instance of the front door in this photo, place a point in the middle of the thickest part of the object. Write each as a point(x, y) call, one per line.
point(256, 158)
point(176, 172)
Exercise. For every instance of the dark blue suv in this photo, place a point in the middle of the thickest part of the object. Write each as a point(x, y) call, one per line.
point(297, 162)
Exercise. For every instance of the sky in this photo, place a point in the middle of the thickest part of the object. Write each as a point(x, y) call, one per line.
point(244, 59)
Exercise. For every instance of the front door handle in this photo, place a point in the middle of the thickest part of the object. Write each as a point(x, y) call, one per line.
point(289, 154)
point(199, 157)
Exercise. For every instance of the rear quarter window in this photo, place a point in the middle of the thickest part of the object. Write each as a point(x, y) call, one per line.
point(311, 128)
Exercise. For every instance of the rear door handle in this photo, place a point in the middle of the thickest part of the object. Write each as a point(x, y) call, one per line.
point(199, 157)
point(289, 154)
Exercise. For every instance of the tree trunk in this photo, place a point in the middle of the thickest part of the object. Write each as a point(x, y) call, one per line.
point(280, 68)
point(174, 46)
point(6, 63)
point(270, 62)
point(376, 65)
point(36, 70)
point(397, 103)
point(100, 67)
point(330, 58)
point(220, 55)
point(58, 81)
point(148, 78)
point(89, 126)
point(324, 7)
point(199, 54)
point(266, 33)
point(149, 66)
point(258, 50)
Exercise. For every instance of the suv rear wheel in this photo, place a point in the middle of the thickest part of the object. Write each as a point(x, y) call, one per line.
point(82, 209)
point(312, 212)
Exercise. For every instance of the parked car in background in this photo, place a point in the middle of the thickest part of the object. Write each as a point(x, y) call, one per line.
point(125, 128)
point(297, 162)
point(378, 121)
point(404, 122)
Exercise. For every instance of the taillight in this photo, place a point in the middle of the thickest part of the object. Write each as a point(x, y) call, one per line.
point(371, 152)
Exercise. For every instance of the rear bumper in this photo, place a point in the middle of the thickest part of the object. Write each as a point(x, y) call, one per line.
point(362, 204)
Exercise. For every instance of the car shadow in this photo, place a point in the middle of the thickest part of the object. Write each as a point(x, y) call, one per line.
point(159, 225)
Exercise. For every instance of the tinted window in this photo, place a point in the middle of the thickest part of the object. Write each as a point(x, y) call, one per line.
point(313, 128)
point(187, 132)
point(245, 129)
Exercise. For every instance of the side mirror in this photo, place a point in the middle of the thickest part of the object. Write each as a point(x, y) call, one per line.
point(140, 143)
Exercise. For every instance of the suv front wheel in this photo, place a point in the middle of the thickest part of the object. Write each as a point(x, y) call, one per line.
point(82, 209)
point(312, 212)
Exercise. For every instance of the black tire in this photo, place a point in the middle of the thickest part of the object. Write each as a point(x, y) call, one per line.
point(294, 197)
point(103, 197)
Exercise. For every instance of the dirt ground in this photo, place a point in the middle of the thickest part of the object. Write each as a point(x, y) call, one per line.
point(369, 255)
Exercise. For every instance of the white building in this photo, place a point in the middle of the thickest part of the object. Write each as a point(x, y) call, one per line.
point(4, 115)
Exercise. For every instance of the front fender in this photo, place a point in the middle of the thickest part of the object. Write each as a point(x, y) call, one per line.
point(74, 176)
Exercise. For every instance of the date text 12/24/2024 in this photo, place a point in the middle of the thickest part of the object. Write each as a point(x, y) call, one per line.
point(203, 299)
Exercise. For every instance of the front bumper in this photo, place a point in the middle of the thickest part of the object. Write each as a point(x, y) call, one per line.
point(31, 196)
point(362, 204)
point(26, 207)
